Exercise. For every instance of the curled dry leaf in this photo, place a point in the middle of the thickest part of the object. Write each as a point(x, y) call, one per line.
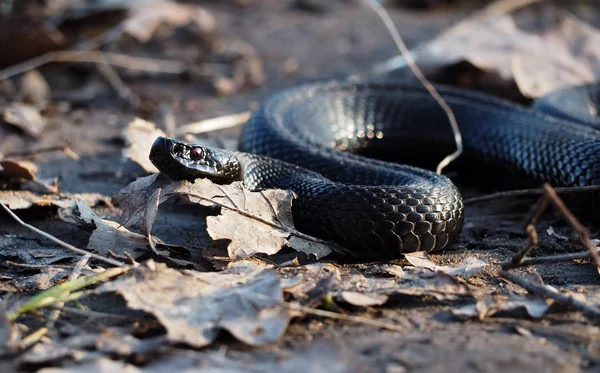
point(107, 235)
point(194, 306)
point(534, 305)
point(23, 174)
point(139, 135)
point(467, 268)
point(255, 222)
point(539, 61)
point(25, 116)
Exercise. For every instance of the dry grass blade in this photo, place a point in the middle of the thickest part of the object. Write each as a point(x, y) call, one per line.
point(60, 242)
point(102, 58)
point(389, 24)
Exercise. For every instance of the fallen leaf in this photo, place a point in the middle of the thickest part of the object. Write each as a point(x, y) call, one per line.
point(99, 365)
point(139, 135)
point(144, 20)
point(534, 305)
point(468, 267)
point(22, 174)
point(23, 199)
point(539, 61)
point(194, 306)
point(254, 222)
point(363, 300)
point(107, 235)
point(34, 89)
point(25, 116)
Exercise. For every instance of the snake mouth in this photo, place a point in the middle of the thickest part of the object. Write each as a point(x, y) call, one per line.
point(181, 161)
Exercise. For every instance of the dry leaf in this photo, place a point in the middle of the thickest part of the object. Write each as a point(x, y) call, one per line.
point(22, 175)
point(194, 306)
point(22, 199)
point(35, 89)
point(144, 20)
point(255, 222)
point(363, 300)
point(535, 306)
point(469, 267)
point(26, 117)
point(107, 235)
point(540, 62)
point(99, 365)
point(139, 135)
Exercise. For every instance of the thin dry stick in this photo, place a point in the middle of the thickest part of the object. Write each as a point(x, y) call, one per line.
point(528, 192)
point(114, 80)
point(114, 59)
point(584, 233)
point(389, 24)
point(551, 293)
point(550, 196)
point(60, 242)
point(339, 316)
point(214, 124)
point(32, 152)
point(294, 232)
point(548, 260)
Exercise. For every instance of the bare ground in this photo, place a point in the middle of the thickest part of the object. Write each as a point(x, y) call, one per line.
point(347, 39)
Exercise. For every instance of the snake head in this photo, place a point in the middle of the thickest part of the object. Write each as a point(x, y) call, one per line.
point(182, 161)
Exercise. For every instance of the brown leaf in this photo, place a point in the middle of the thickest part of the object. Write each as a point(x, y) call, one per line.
point(145, 20)
point(21, 199)
point(35, 89)
point(363, 300)
point(469, 267)
point(99, 365)
point(255, 222)
point(535, 306)
point(195, 306)
point(139, 135)
point(25, 116)
point(107, 235)
point(21, 174)
point(539, 61)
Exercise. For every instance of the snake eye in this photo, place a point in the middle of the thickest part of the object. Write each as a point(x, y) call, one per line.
point(196, 153)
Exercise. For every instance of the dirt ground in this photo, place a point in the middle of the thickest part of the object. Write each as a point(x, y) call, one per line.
point(294, 44)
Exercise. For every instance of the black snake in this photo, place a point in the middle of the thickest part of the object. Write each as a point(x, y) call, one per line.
point(318, 140)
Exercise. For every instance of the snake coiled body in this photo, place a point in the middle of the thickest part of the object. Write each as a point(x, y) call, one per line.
point(315, 140)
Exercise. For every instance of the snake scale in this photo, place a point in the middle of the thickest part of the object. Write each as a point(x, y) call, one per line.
point(321, 141)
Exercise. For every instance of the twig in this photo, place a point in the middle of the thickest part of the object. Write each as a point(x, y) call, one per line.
point(31, 152)
point(551, 293)
point(548, 260)
point(114, 80)
point(550, 196)
point(339, 316)
point(214, 124)
point(528, 192)
point(101, 58)
point(389, 24)
point(60, 242)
